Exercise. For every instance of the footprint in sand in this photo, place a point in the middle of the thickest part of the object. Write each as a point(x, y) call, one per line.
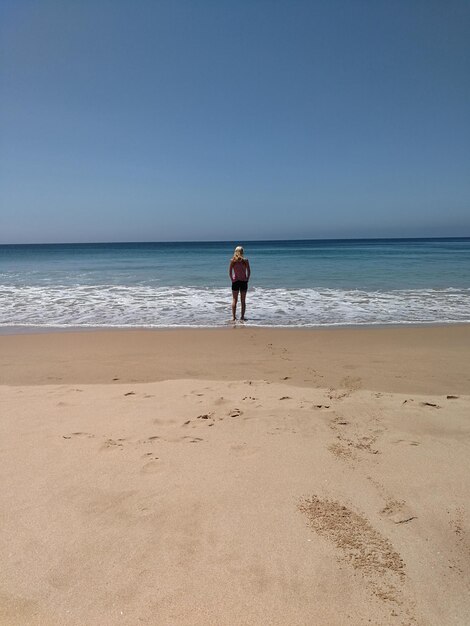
point(365, 444)
point(340, 421)
point(348, 385)
point(208, 418)
point(73, 435)
point(340, 450)
point(243, 449)
point(113, 443)
point(152, 467)
point(457, 523)
point(346, 448)
point(235, 413)
point(431, 404)
point(205, 416)
point(398, 512)
point(187, 438)
point(151, 439)
point(184, 438)
point(407, 441)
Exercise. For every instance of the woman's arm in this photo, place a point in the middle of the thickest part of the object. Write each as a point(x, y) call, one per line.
point(248, 270)
point(230, 270)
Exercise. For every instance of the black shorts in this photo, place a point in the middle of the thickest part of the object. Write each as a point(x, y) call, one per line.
point(239, 285)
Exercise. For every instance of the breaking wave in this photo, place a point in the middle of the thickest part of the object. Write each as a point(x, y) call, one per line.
point(108, 306)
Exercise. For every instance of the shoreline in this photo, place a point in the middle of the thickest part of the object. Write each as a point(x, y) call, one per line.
point(26, 329)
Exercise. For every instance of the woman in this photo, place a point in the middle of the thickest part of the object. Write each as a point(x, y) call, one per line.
point(239, 272)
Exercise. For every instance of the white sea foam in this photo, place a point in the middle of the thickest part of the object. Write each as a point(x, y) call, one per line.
point(143, 306)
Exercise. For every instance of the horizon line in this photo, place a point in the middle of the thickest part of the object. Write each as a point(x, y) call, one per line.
point(199, 241)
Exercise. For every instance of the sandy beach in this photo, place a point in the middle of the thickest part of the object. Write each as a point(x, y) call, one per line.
point(236, 476)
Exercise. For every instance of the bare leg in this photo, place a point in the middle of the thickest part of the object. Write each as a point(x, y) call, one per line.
point(243, 299)
point(234, 304)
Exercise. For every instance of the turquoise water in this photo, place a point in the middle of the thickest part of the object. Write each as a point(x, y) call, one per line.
point(294, 283)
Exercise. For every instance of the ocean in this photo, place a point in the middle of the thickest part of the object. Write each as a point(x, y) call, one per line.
point(294, 283)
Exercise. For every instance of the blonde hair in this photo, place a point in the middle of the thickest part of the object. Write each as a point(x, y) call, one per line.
point(238, 254)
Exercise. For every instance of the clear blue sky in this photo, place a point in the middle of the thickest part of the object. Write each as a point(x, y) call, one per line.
point(243, 119)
